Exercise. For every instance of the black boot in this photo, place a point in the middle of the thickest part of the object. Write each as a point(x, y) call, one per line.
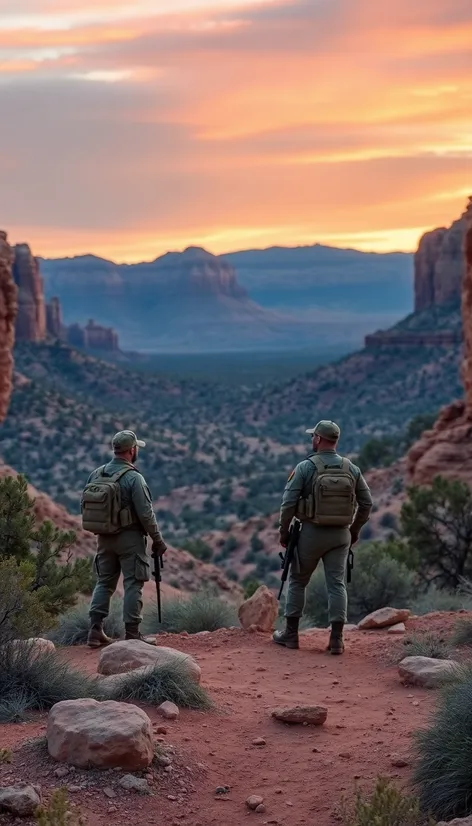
point(132, 633)
point(288, 637)
point(336, 641)
point(96, 635)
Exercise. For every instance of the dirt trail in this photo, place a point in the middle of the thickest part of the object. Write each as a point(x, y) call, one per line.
point(301, 772)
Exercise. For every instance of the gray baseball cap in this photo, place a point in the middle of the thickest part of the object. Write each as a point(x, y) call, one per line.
point(327, 430)
point(126, 440)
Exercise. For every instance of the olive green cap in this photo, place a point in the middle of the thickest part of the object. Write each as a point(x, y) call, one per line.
point(327, 430)
point(125, 440)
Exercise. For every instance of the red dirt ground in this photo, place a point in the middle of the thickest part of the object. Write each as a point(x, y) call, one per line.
point(301, 772)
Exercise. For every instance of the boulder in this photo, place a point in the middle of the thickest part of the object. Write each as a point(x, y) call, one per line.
point(128, 655)
point(384, 618)
point(21, 800)
point(38, 644)
point(302, 715)
point(261, 610)
point(88, 733)
point(458, 821)
point(427, 672)
point(399, 628)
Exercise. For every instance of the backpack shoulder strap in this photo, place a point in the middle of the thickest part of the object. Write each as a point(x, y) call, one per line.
point(120, 473)
point(318, 463)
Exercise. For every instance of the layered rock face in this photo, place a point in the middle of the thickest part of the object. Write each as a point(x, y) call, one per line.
point(439, 266)
point(31, 319)
point(446, 450)
point(54, 318)
point(100, 338)
point(8, 313)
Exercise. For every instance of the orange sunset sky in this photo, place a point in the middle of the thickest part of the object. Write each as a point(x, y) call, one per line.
point(131, 128)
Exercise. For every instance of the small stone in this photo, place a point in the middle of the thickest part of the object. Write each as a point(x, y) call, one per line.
point(111, 810)
point(259, 741)
point(221, 790)
point(134, 784)
point(399, 628)
point(346, 755)
point(261, 809)
point(384, 618)
point(74, 789)
point(253, 801)
point(21, 800)
point(171, 797)
point(168, 769)
point(61, 772)
point(162, 730)
point(163, 760)
point(109, 792)
point(310, 715)
point(168, 710)
point(399, 762)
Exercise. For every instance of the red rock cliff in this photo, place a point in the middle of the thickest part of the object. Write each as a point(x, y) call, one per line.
point(446, 450)
point(54, 318)
point(8, 311)
point(439, 266)
point(31, 319)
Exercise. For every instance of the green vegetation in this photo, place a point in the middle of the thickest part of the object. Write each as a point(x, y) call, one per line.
point(441, 600)
point(198, 548)
point(170, 682)
point(5, 756)
point(427, 644)
point(436, 522)
point(443, 775)
point(72, 627)
point(463, 632)
point(59, 811)
point(383, 451)
point(32, 680)
point(38, 577)
point(385, 806)
point(201, 612)
point(250, 587)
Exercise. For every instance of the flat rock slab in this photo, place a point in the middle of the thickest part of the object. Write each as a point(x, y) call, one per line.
point(87, 733)
point(260, 611)
point(302, 715)
point(384, 618)
point(427, 672)
point(128, 655)
point(21, 800)
point(399, 628)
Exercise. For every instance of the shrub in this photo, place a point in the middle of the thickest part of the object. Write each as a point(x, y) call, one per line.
point(443, 775)
point(463, 632)
point(428, 644)
point(202, 612)
point(198, 548)
point(73, 626)
point(435, 600)
point(388, 520)
point(250, 587)
point(170, 682)
point(386, 806)
point(256, 542)
point(316, 602)
point(59, 811)
point(31, 680)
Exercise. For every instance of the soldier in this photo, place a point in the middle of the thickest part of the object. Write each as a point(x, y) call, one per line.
point(323, 492)
point(117, 507)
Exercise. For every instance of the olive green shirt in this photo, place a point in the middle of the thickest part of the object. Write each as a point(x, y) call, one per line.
point(300, 484)
point(135, 495)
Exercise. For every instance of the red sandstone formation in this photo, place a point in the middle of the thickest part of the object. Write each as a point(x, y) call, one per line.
point(8, 312)
point(54, 318)
point(100, 338)
point(31, 319)
point(439, 338)
point(439, 266)
point(446, 450)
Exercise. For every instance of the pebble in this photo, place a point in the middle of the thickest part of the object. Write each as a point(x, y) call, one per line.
point(168, 710)
point(134, 784)
point(62, 771)
point(168, 769)
point(253, 801)
point(163, 760)
point(222, 790)
point(261, 809)
point(171, 797)
point(259, 741)
point(73, 789)
point(109, 792)
point(163, 730)
point(399, 762)
point(346, 755)
point(111, 810)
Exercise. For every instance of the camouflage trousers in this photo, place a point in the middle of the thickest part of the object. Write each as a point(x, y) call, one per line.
point(124, 553)
point(320, 543)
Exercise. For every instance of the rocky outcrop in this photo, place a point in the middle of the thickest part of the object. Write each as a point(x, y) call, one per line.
point(31, 318)
point(54, 318)
point(439, 266)
point(92, 337)
point(8, 313)
point(259, 611)
point(432, 338)
point(446, 450)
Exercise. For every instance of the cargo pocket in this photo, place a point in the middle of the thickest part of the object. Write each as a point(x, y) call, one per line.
point(142, 569)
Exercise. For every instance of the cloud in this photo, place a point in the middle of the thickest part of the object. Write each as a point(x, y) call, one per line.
point(232, 124)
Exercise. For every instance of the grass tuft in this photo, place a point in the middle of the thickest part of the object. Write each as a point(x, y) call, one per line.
point(441, 600)
point(462, 634)
point(202, 612)
point(72, 627)
point(160, 683)
point(443, 775)
point(427, 644)
point(31, 680)
point(59, 811)
point(385, 806)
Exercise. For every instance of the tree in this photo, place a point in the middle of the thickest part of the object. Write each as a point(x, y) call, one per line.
point(256, 542)
point(436, 521)
point(198, 548)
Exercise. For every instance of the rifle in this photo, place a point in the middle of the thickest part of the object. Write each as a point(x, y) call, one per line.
point(158, 565)
point(350, 563)
point(287, 557)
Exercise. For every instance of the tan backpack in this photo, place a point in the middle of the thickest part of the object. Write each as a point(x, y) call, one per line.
point(334, 494)
point(102, 512)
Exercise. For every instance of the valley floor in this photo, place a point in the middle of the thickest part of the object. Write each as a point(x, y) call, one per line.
point(302, 772)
